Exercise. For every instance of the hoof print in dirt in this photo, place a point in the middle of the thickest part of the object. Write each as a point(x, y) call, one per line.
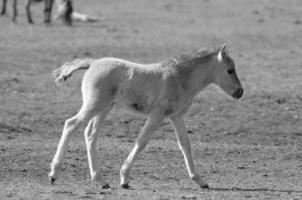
point(52, 180)
point(107, 186)
point(205, 186)
point(125, 186)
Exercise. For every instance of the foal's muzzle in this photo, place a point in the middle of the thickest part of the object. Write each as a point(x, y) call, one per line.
point(238, 93)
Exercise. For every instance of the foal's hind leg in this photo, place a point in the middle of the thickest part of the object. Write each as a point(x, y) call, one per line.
point(151, 124)
point(91, 136)
point(185, 146)
point(70, 127)
point(95, 100)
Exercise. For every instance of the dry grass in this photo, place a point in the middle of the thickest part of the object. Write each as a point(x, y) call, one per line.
point(247, 149)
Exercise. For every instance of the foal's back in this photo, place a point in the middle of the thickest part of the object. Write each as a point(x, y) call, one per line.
point(122, 70)
point(128, 84)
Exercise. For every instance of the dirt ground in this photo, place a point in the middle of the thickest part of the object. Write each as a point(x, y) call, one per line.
point(246, 149)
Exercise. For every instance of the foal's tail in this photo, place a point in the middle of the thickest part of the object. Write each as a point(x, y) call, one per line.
point(63, 73)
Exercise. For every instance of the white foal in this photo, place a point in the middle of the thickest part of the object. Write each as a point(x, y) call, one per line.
point(161, 90)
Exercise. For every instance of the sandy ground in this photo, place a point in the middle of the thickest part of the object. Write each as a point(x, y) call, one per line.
point(246, 149)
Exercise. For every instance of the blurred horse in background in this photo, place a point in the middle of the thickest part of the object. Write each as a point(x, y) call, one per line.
point(47, 10)
point(64, 11)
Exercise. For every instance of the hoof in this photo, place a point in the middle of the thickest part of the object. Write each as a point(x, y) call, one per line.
point(125, 186)
point(107, 186)
point(206, 186)
point(52, 180)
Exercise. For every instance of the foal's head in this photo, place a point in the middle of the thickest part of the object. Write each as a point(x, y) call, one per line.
point(225, 74)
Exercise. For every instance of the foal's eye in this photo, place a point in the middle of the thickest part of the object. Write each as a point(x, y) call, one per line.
point(230, 71)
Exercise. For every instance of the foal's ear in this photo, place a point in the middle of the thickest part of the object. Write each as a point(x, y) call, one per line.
point(222, 53)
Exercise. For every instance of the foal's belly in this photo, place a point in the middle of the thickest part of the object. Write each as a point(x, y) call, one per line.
point(142, 93)
point(144, 103)
point(135, 101)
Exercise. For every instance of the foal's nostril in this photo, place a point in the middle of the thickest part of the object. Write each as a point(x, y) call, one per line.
point(238, 93)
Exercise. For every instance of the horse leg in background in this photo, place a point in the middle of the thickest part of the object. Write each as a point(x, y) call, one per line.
point(185, 146)
point(154, 119)
point(47, 11)
point(28, 12)
point(68, 13)
point(15, 10)
point(91, 136)
point(3, 11)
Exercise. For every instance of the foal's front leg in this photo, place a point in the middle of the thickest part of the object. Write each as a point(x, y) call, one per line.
point(185, 146)
point(151, 124)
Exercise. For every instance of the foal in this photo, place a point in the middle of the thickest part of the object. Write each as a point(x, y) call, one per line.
point(160, 90)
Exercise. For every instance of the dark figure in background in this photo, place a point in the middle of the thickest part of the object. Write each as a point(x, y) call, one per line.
point(64, 11)
point(66, 4)
point(3, 11)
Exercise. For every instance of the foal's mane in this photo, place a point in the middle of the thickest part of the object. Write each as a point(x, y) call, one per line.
point(183, 65)
point(183, 60)
point(199, 55)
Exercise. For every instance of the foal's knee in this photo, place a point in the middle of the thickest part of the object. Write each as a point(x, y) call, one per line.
point(69, 123)
point(141, 142)
point(90, 144)
point(90, 136)
point(74, 122)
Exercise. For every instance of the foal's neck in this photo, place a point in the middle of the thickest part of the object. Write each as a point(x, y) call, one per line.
point(196, 77)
